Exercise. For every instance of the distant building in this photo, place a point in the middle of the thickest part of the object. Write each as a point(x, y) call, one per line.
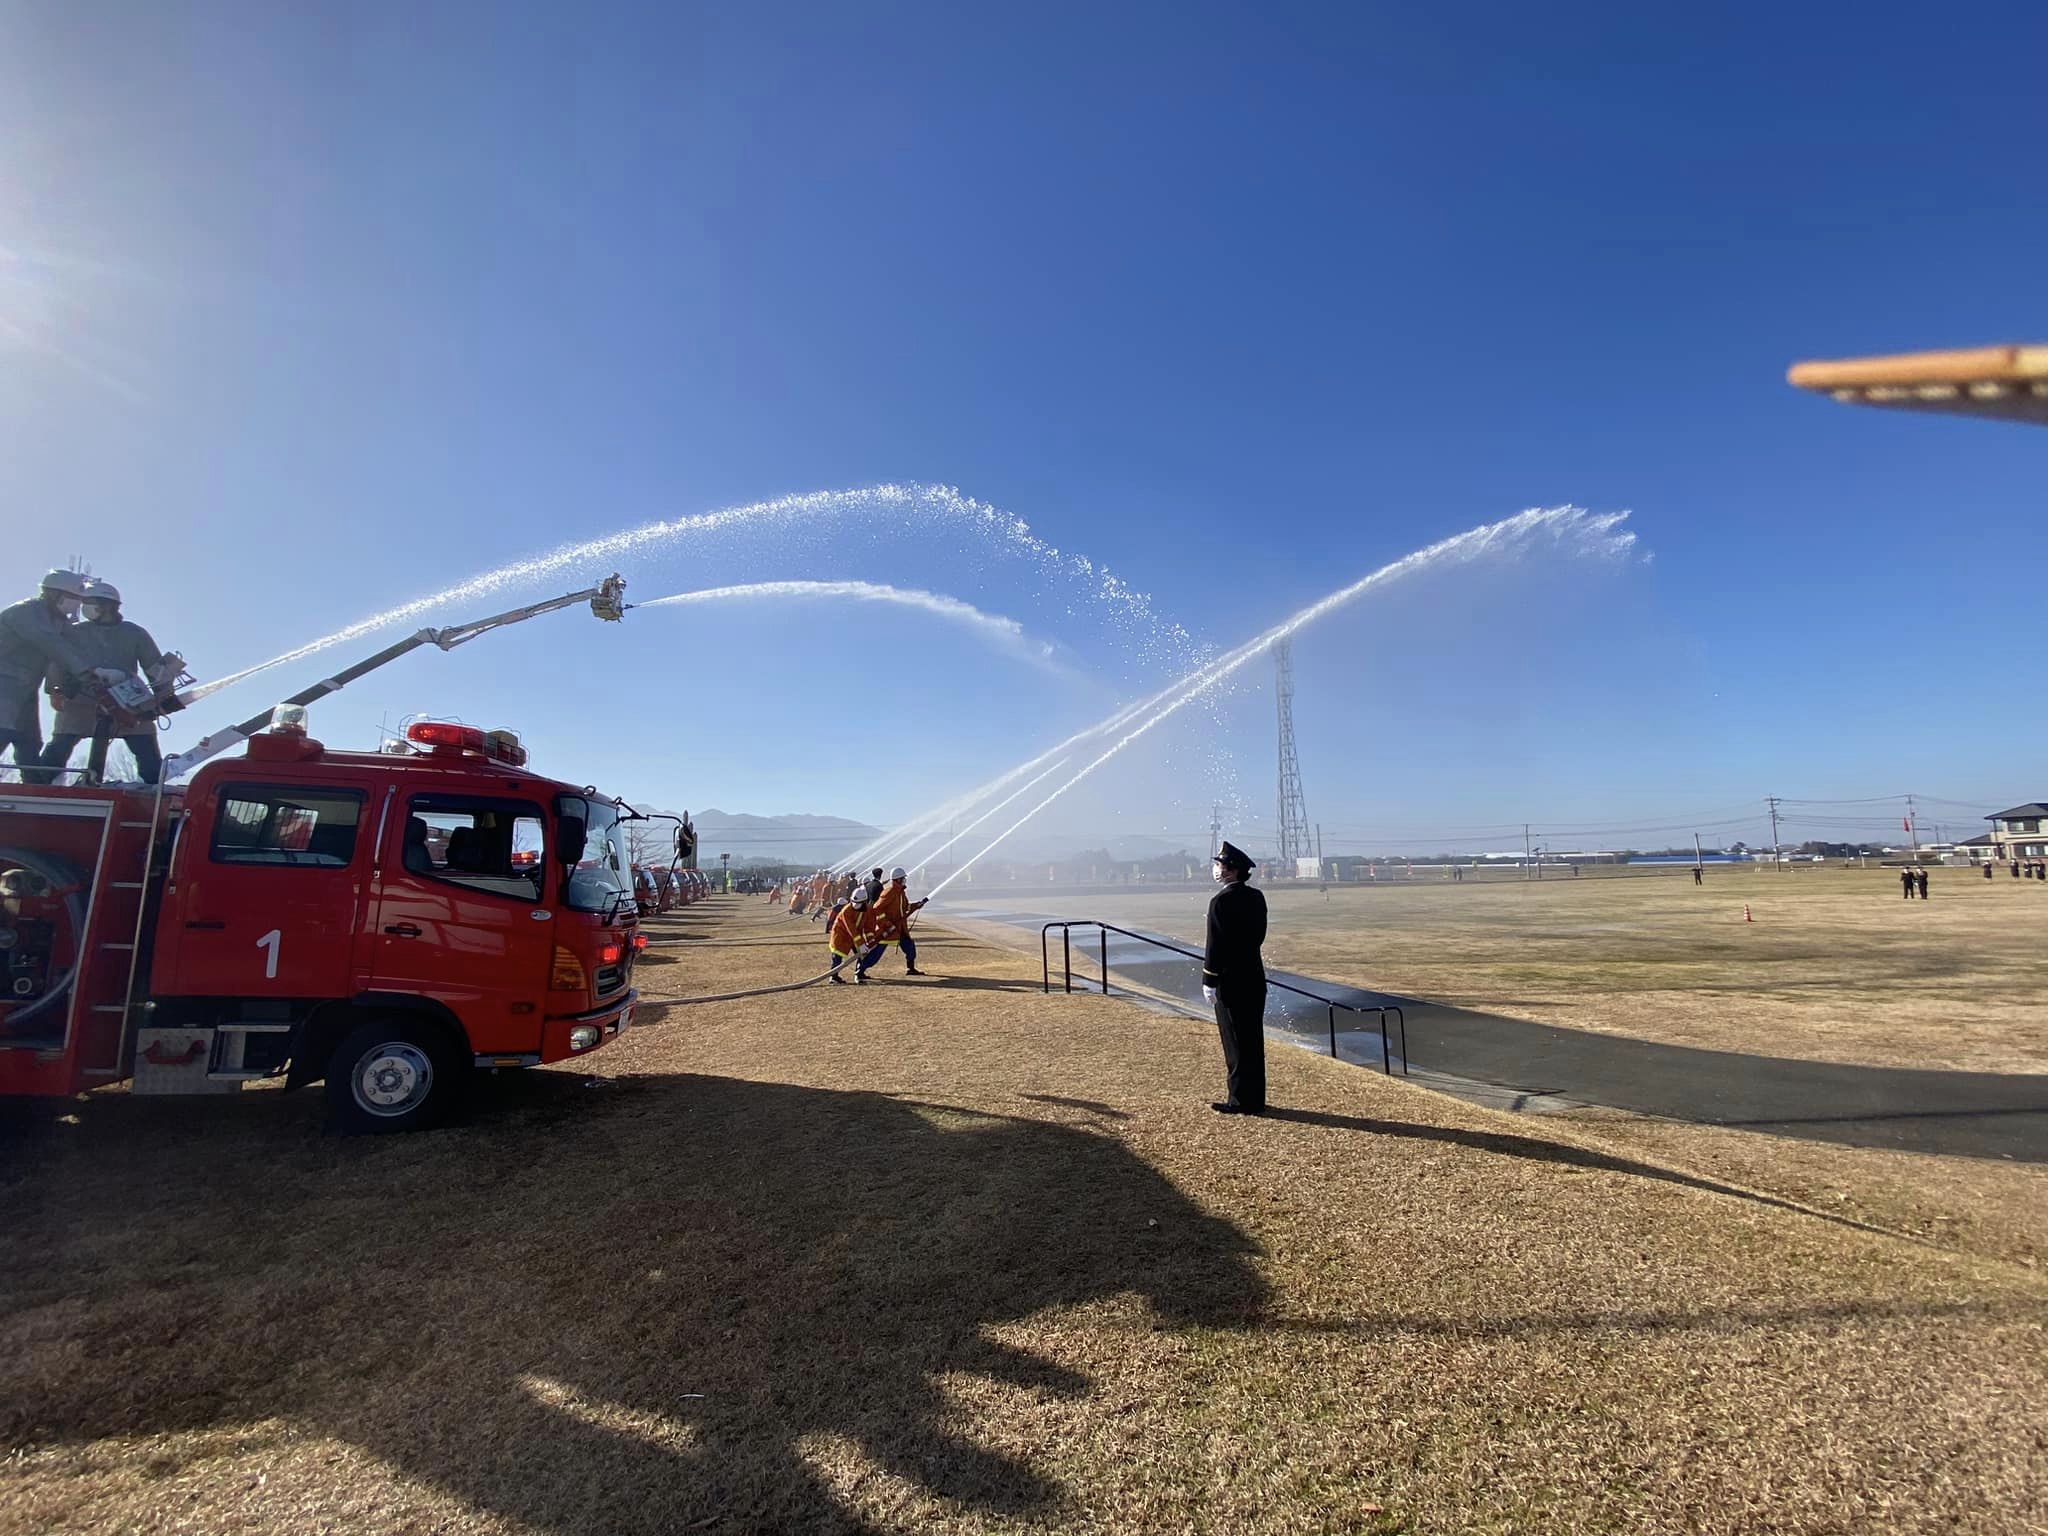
point(1975, 850)
point(2020, 833)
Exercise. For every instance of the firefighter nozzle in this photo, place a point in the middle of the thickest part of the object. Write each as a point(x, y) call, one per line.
point(610, 602)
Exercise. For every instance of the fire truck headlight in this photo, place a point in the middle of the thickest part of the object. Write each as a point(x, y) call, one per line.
point(584, 1036)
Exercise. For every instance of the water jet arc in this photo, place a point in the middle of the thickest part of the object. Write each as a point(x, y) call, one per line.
point(1596, 534)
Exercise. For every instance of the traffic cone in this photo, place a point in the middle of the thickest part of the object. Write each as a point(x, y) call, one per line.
point(1745, 913)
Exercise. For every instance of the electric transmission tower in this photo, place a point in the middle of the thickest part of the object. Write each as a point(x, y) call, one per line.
point(1296, 841)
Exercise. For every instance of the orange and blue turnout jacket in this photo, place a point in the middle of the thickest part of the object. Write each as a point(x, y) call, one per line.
point(889, 913)
point(849, 930)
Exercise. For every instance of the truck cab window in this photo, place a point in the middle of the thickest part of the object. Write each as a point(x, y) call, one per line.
point(286, 826)
point(497, 846)
point(602, 879)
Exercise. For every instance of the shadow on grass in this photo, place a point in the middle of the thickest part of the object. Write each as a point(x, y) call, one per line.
point(641, 1304)
point(1564, 1154)
point(952, 983)
point(1092, 1106)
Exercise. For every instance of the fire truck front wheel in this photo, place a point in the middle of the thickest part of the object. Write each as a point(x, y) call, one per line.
point(391, 1075)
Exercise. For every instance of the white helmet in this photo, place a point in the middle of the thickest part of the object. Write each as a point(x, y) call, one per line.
point(860, 896)
point(70, 583)
point(97, 591)
point(897, 873)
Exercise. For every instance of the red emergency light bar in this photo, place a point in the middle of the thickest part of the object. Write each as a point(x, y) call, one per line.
point(499, 746)
point(445, 733)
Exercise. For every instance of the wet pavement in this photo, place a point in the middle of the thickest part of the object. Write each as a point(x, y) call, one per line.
point(1517, 1064)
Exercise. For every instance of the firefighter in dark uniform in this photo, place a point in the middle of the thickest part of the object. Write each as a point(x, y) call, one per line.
point(1234, 981)
point(120, 650)
point(36, 634)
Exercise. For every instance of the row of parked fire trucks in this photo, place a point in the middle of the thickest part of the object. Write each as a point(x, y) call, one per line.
point(659, 889)
point(389, 922)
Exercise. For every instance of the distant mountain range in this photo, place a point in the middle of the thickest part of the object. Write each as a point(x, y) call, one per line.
point(795, 839)
point(818, 840)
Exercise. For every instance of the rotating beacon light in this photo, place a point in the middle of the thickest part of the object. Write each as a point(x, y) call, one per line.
point(500, 746)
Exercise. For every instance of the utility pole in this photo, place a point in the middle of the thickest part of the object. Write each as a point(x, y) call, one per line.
point(1525, 850)
point(1215, 827)
point(1697, 860)
point(1772, 802)
point(1912, 830)
point(1319, 850)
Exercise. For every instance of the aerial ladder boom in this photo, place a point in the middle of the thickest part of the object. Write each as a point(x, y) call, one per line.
point(606, 599)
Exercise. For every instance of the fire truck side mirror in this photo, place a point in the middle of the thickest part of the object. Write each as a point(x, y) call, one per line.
point(575, 838)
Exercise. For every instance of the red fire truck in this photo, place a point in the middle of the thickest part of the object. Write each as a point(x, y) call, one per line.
point(388, 921)
point(385, 922)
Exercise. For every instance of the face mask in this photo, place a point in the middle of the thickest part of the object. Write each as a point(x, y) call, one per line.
point(1219, 874)
point(68, 606)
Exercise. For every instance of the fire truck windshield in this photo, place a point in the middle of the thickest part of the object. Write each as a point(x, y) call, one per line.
point(603, 877)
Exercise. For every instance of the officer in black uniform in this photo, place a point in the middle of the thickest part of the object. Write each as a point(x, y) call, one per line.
point(1234, 980)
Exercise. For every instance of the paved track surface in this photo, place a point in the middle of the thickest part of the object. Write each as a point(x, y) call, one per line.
point(1523, 1065)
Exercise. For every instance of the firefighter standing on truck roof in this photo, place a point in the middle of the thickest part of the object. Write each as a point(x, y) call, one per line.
point(890, 925)
point(849, 933)
point(36, 634)
point(112, 645)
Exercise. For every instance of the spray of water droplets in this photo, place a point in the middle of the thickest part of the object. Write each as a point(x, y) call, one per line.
point(891, 516)
point(1572, 529)
point(1007, 634)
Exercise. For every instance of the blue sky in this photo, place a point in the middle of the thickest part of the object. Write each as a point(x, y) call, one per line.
point(308, 311)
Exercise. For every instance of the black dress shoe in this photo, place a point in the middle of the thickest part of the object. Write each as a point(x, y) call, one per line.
point(914, 971)
point(1226, 1109)
point(838, 980)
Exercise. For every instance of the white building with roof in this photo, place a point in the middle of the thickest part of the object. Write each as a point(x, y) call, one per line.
point(2020, 833)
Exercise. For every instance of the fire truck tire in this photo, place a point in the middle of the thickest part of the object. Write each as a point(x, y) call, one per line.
point(392, 1075)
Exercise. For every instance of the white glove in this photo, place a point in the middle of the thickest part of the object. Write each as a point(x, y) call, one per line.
point(1208, 994)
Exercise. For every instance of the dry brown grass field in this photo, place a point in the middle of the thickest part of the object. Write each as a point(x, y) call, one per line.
point(954, 1256)
point(1834, 965)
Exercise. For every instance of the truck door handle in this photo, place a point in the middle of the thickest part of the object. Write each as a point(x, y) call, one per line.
point(403, 930)
point(206, 925)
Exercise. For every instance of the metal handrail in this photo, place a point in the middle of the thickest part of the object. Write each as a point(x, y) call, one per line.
point(1104, 930)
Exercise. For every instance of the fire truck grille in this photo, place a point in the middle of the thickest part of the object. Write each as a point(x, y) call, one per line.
point(610, 979)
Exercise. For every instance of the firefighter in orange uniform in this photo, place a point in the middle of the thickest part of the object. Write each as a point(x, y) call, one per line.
point(890, 925)
point(849, 933)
